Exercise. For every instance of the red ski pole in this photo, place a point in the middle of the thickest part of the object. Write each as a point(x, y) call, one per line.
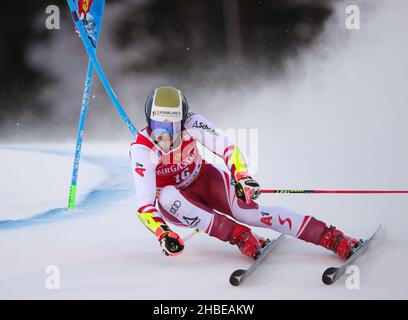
point(339, 191)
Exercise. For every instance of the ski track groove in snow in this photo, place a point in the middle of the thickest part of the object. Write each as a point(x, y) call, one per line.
point(109, 190)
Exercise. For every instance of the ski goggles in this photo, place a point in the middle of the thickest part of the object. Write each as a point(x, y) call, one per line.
point(161, 127)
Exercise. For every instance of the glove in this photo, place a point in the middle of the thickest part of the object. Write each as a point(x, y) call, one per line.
point(171, 243)
point(247, 189)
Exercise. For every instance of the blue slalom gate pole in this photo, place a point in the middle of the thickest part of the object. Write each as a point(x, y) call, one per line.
point(96, 11)
point(81, 128)
point(90, 49)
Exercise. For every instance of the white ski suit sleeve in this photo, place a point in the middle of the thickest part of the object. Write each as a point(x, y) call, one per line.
point(144, 162)
point(211, 137)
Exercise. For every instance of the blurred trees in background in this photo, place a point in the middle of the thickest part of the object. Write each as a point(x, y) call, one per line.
point(185, 36)
point(197, 34)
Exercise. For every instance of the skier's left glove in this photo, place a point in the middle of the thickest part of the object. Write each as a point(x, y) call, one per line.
point(247, 189)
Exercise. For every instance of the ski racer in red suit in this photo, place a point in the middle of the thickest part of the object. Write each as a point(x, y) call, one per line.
point(174, 183)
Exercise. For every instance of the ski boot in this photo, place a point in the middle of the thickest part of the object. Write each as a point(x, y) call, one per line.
point(340, 244)
point(247, 241)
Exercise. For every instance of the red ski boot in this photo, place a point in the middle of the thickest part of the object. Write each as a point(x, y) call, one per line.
point(247, 242)
point(337, 242)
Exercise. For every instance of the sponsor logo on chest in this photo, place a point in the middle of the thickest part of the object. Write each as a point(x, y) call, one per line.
point(201, 125)
point(177, 162)
point(173, 168)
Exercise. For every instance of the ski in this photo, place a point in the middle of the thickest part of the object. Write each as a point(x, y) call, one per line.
point(238, 276)
point(330, 275)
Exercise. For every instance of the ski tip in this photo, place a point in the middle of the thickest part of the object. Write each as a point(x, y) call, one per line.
point(235, 278)
point(329, 275)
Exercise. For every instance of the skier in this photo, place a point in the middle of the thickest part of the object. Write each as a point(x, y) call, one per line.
point(173, 182)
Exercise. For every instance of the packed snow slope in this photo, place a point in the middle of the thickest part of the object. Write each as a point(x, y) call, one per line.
point(103, 251)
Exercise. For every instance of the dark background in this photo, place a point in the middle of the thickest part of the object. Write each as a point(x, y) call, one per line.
point(243, 36)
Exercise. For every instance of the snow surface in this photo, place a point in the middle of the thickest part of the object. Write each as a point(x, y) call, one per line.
point(28, 176)
point(103, 251)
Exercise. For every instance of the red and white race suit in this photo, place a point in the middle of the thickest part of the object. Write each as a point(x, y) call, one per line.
point(188, 191)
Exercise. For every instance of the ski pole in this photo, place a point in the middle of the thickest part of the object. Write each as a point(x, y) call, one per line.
point(196, 231)
point(339, 191)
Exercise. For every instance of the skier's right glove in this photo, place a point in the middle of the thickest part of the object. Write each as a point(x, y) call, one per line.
point(171, 243)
